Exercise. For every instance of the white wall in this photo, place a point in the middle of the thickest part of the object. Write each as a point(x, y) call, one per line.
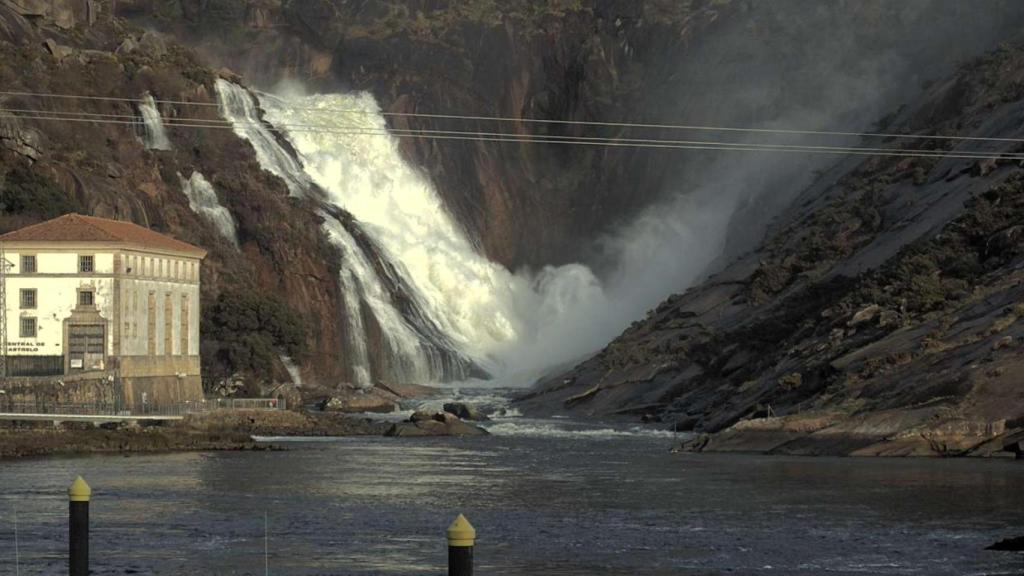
point(57, 281)
point(56, 288)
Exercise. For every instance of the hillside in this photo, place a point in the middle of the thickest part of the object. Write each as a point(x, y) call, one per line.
point(881, 315)
point(262, 300)
point(875, 294)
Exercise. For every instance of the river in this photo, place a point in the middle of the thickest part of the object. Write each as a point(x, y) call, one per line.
point(546, 497)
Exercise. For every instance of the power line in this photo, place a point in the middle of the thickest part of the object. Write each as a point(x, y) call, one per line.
point(528, 139)
point(321, 128)
point(693, 127)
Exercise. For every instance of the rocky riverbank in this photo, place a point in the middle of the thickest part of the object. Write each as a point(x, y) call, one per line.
point(881, 315)
point(893, 433)
point(219, 431)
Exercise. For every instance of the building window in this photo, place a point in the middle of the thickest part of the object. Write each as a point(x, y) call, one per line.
point(85, 264)
point(28, 298)
point(85, 298)
point(183, 327)
point(151, 324)
point(28, 264)
point(28, 328)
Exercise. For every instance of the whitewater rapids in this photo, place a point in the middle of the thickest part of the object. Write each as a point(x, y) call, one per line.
point(503, 321)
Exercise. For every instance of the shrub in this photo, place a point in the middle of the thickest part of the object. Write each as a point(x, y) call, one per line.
point(25, 192)
point(248, 330)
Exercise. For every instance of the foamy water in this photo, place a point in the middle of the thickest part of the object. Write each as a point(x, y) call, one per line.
point(489, 313)
point(202, 199)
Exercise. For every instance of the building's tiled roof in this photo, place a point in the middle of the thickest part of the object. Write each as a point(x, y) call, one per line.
point(79, 228)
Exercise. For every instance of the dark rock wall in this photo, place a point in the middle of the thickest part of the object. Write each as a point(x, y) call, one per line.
point(103, 169)
point(711, 61)
point(716, 62)
point(882, 312)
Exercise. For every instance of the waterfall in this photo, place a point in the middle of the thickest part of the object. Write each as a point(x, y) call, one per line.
point(202, 199)
point(293, 370)
point(360, 168)
point(508, 322)
point(239, 106)
point(153, 135)
point(380, 308)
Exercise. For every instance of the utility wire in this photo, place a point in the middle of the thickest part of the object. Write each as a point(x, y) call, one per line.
point(542, 139)
point(322, 128)
point(694, 127)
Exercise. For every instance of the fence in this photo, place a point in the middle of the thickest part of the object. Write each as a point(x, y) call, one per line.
point(119, 409)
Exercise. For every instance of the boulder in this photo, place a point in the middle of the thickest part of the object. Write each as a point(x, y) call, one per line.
point(153, 43)
point(421, 415)
point(62, 14)
point(446, 418)
point(35, 8)
point(127, 47)
point(229, 75)
point(24, 141)
point(866, 314)
point(791, 381)
point(59, 51)
point(415, 429)
point(357, 403)
point(434, 427)
point(1004, 342)
point(465, 411)
point(1009, 545)
point(460, 428)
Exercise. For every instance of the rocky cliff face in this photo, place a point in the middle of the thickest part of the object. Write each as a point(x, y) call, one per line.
point(870, 281)
point(525, 204)
point(881, 315)
point(280, 283)
point(716, 62)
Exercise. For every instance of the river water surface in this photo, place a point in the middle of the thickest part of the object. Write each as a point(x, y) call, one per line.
point(546, 498)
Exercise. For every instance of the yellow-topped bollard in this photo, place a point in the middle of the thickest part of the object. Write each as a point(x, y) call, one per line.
point(79, 491)
point(461, 532)
point(79, 494)
point(461, 538)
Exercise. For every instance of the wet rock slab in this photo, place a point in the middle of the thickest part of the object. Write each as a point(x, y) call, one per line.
point(424, 423)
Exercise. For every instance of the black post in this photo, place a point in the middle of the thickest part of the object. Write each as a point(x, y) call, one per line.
point(461, 538)
point(460, 561)
point(78, 528)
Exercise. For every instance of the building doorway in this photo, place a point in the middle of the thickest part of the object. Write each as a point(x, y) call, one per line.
point(86, 347)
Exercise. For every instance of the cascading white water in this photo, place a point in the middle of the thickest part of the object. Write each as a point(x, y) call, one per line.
point(202, 199)
point(360, 281)
point(237, 105)
point(154, 135)
point(511, 324)
point(293, 370)
point(487, 311)
point(410, 357)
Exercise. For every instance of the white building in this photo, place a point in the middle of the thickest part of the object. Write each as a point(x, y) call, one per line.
point(90, 295)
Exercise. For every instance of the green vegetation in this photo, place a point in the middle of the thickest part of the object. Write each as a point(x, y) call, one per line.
point(248, 330)
point(437, 24)
point(27, 192)
point(936, 273)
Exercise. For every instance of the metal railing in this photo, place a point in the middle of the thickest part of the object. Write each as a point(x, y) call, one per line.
point(139, 409)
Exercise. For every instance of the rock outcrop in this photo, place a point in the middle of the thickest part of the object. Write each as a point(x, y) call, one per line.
point(646, 61)
point(881, 316)
point(284, 265)
point(465, 411)
point(423, 423)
